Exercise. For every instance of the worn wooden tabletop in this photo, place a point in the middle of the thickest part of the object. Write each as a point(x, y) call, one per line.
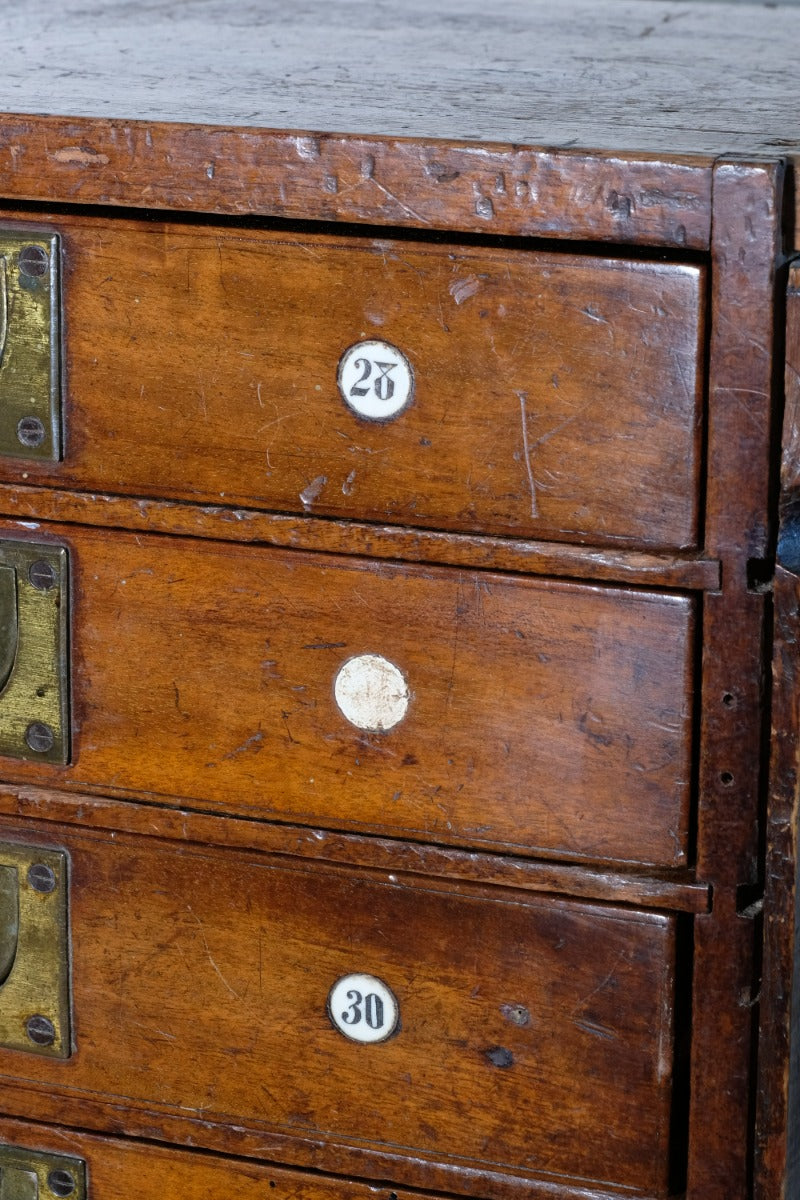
point(638, 76)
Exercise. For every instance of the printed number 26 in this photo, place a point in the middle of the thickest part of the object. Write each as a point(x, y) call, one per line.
point(367, 1008)
point(383, 386)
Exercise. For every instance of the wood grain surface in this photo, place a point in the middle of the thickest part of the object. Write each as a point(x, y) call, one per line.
point(114, 1165)
point(632, 76)
point(156, 1172)
point(218, 967)
point(744, 393)
point(675, 890)
point(555, 395)
point(432, 185)
point(542, 716)
point(690, 571)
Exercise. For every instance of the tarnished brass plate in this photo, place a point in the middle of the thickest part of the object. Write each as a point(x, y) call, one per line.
point(34, 692)
point(34, 935)
point(35, 1175)
point(30, 419)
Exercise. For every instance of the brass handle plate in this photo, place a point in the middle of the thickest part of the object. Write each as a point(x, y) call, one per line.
point(34, 684)
point(34, 951)
point(35, 1175)
point(30, 386)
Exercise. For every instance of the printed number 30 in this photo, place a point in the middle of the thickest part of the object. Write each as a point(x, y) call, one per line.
point(372, 1013)
point(363, 1008)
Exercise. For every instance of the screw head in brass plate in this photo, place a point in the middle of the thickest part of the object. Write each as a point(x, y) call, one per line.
point(39, 737)
point(41, 878)
point(30, 432)
point(33, 261)
point(40, 1030)
point(42, 575)
point(61, 1182)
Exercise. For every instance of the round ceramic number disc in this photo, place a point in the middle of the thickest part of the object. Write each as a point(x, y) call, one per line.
point(376, 380)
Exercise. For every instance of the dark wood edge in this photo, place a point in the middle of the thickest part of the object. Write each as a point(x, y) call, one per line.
point(417, 861)
point(421, 183)
point(565, 560)
point(743, 396)
point(88, 1113)
point(777, 1148)
point(777, 1133)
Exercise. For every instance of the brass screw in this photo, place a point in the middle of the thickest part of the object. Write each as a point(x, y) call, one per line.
point(40, 737)
point(40, 1030)
point(41, 877)
point(61, 1183)
point(30, 432)
point(42, 575)
point(33, 261)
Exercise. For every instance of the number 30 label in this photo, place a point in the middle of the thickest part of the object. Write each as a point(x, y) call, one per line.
point(376, 380)
point(363, 1008)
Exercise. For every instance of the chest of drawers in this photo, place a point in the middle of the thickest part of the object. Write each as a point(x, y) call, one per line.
point(399, 595)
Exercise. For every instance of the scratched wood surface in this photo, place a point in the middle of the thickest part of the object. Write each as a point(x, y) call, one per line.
point(541, 716)
point(218, 967)
point(554, 395)
point(690, 571)
point(671, 889)
point(635, 76)
point(155, 1172)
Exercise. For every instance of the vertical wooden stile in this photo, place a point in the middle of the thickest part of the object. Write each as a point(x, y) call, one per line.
point(746, 248)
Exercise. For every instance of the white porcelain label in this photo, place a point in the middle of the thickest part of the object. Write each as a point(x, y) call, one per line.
point(371, 692)
point(376, 380)
point(363, 1008)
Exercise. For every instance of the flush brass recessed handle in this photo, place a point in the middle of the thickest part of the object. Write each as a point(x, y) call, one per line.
point(9, 921)
point(30, 385)
point(9, 628)
point(18, 1184)
point(37, 1175)
point(34, 684)
point(3, 305)
point(34, 951)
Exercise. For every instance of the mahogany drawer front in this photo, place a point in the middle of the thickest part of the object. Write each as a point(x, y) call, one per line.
point(201, 983)
point(115, 1167)
point(555, 395)
point(545, 716)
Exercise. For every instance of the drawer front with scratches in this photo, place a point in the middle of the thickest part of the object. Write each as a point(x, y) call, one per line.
point(511, 391)
point(469, 708)
point(103, 1168)
point(244, 989)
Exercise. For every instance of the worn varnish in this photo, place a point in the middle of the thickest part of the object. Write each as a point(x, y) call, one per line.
point(554, 395)
point(668, 889)
point(541, 715)
point(218, 966)
point(153, 1173)
point(606, 777)
point(692, 571)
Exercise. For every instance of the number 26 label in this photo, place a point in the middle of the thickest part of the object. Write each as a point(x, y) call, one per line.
point(376, 380)
point(363, 1008)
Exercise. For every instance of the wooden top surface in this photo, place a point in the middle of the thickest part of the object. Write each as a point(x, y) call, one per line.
point(636, 76)
point(586, 119)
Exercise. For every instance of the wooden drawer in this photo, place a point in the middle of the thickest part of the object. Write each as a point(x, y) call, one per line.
point(203, 983)
point(113, 1167)
point(539, 715)
point(555, 395)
